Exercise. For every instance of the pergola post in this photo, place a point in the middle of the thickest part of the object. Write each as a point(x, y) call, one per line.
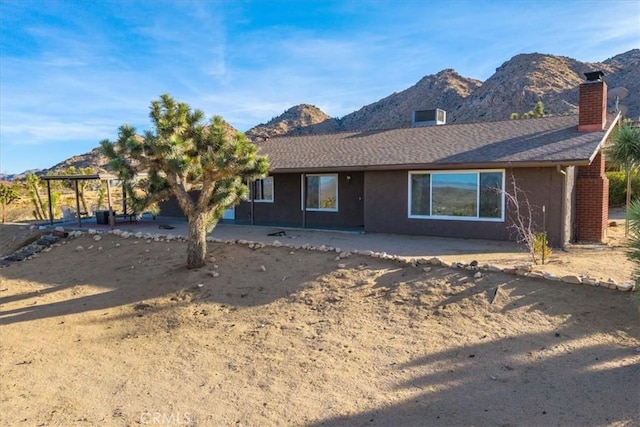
point(49, 199)
point(111, 217)
point(78, 203)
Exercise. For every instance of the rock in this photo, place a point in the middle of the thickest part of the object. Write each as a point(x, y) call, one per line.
point(342, 266)
point(525, 267)
point(117, 245)
point(625, 287)
point(536, 275)
point(47, 240)
point(344, 255)
point(426, 269)
point(366, 253)
point(276, 244)
point(589, 281)
point(97, 238)
point(478, 275)
point(574, 280)
point(79, 249)
point(59, 229)
point(610, 284)
point(435, 261)
point(142, 306)
point(494, 268)
point(263, 268)
point(551, 276)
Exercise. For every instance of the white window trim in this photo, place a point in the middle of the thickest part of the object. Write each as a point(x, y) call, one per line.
point(304, 193)
point(449, 217)
point(252, 188)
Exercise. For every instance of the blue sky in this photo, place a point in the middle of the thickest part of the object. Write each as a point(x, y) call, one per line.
point(71, 72)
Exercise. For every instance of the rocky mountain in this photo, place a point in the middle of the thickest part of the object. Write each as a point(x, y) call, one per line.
point(446, 90)
point(98, 161)
point(515, 87)
point(299, 120)
point(94, 159)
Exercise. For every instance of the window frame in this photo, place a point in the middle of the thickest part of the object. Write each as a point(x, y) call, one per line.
point(305, 192)
point(476, 218)
point(252, 186)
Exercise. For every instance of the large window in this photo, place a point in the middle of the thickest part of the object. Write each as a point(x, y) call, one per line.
point(263, 189)
point(322, 192)
point(466, 195)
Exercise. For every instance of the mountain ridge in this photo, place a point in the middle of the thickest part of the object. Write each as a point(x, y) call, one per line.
point(515, 87)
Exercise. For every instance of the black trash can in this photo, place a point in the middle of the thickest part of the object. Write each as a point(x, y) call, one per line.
point(102, 217)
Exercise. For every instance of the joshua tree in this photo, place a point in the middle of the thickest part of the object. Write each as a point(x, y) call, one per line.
point(8, 194)
point(33, 186)
point(182, 154)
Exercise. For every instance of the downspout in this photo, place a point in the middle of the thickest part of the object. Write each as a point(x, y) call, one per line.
point(253, 201)
point(563, 206)
point(304, 200)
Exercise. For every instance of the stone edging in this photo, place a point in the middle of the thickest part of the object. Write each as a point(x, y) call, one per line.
point(524, 270)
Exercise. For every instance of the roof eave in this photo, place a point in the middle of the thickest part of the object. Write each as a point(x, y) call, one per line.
point(438, 166)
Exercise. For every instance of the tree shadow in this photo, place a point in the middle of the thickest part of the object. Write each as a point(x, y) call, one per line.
point(554, 377)
point(538, 381)
point(59, 283)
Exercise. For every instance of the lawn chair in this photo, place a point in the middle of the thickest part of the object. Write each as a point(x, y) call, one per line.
point(69, 214)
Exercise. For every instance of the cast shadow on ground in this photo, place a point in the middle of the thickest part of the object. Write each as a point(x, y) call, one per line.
point(546, 378)
point(533, 383)
point(59, 289)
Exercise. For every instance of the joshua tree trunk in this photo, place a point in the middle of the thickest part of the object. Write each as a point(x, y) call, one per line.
point(197, 246)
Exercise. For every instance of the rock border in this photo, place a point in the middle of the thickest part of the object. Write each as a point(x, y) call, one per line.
point(523, 270)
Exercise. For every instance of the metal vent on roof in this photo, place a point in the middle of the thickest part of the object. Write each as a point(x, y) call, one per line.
point(429, 117)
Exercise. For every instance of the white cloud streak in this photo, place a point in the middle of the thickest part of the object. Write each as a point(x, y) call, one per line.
point(71, 75)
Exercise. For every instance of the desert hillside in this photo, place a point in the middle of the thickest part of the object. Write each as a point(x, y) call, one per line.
point(515, 87)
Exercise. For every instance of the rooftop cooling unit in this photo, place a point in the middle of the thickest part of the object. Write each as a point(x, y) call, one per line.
point(429, 117)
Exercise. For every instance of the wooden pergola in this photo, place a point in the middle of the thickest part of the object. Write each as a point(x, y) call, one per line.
point(106, 177)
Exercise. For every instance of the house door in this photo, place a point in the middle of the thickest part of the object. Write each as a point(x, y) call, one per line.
point(229, 213)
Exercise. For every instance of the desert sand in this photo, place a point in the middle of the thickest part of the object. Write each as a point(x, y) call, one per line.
point(120, 333)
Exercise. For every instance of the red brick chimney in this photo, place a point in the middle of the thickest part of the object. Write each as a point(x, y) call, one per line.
point(592, 184)
point(592, 107)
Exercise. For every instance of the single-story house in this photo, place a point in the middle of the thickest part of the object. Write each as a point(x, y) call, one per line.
point(444, 180)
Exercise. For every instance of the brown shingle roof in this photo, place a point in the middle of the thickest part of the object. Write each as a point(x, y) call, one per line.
point(527, 142)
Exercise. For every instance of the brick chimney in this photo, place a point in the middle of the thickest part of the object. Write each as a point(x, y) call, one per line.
point(592, 107)
point(592, 184)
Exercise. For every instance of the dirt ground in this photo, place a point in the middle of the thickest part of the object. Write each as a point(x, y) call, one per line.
point(120, 333)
